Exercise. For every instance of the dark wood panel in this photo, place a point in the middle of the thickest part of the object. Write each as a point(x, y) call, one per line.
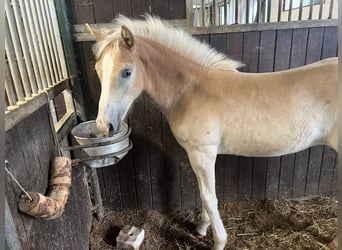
point(235, 46)
point(267, 48)
point(327, 170)
point(122, 7)
point(219, 177)
point(300, 173)
point(139, 8)
point(112, 187)
point(259, 178)
point(172, 168)
point(29, 154)
point(273, 174)
point(286, 176)
point(156, 154)
point(245, 178)
point(283, 50)
point(160, 8)
point(251, 51)
point(219, 42)
point(177, 9)
point(314, 47)
point(315, 162)
point(83, 11)
point(330, 41)
point(103, 11)
point(140, 154)
point(231, 175)
point(299, 42)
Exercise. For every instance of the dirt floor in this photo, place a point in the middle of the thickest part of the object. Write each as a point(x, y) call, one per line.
point(282, 224)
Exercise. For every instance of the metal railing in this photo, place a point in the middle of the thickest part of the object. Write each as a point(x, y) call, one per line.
point(35, 61)
point(226, 12)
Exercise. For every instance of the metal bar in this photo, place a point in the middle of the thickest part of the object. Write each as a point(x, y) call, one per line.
point(279, 10)
point(320, 10)
point(31, 46)
point(95, 187)
point(9, 88)
point(290, 11)
point(13, 38)
point(269, 7)
point(24, 46)
point(13, 67)
point(225, 12)
point(202, 13)
point(36, 42)
point(247, 10)
point(53, 13)
point(27, 108)
point(46, 28)
point(214, 13)
point(41, 44)
point(311, 9)
point(236, 11)
point(331, 9)
point(54, 43)
point(45, 41)
point(300, 10)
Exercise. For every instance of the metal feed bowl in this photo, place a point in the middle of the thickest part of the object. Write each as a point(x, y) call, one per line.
point(100, 151)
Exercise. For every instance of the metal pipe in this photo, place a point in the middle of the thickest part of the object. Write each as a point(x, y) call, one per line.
point(290, 11)
point(279, 10)
point(311, 9)
point(300, 10)
point(236, 11)
point(331, 9)
point(9, 88)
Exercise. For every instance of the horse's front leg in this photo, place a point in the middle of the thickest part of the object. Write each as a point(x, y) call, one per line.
point(202, 160)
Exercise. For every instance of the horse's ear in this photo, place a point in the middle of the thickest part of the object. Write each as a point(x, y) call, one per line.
point(127, 36)
point(94, 32)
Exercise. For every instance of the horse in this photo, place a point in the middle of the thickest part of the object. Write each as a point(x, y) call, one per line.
point(211, 107)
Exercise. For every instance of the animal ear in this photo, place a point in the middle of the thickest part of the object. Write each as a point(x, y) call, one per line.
point(127, 36)
point(98, 35)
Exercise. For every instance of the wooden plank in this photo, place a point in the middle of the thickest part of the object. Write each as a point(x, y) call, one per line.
point(189, 186)
point(235, 46)
point(84, 12)
point(315, 162)
point(273, 174)
point(314, 47)
point(156, 154)
point(327, 171)
point(283, 50)
point(80, 59)
point(245, 178)
point(139, 8)
point(259, 178)
point(251, 51)
point(122, 7)
point(231, 178)
point(172, 168)
point(267, 48)
point(203, 38)
point(177, 9)
point(219, 42)
point(300, 173)
point(160, 8)
point(286, 176)
point(103, 11)
point(112, 186)
point(330, 41)
point(299, 42)
point(219, 177)
point(140, 154)
point(127, 182)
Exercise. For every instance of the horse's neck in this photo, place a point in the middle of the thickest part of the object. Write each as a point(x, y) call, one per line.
point(168, 74)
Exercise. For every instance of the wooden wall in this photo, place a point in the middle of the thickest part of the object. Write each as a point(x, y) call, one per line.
point(156, 174)
point(29, 146)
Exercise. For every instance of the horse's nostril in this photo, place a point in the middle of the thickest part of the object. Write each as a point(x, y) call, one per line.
point(111, 128)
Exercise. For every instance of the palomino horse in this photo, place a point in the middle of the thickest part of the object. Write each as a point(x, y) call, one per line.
point(210, 106)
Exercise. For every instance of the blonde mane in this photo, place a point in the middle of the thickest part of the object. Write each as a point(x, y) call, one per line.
point(173, 38)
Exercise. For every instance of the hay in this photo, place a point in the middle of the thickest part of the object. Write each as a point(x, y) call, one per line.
point(281, 224)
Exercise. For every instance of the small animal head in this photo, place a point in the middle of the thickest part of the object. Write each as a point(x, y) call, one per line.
point(117, 69)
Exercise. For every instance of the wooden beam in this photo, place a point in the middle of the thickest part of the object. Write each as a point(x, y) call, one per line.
point(29, 106)
point(81, 34)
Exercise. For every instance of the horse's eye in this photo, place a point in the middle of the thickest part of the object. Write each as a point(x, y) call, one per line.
point(126, 73)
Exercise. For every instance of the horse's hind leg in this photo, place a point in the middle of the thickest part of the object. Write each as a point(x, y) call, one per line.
point(203, 163)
